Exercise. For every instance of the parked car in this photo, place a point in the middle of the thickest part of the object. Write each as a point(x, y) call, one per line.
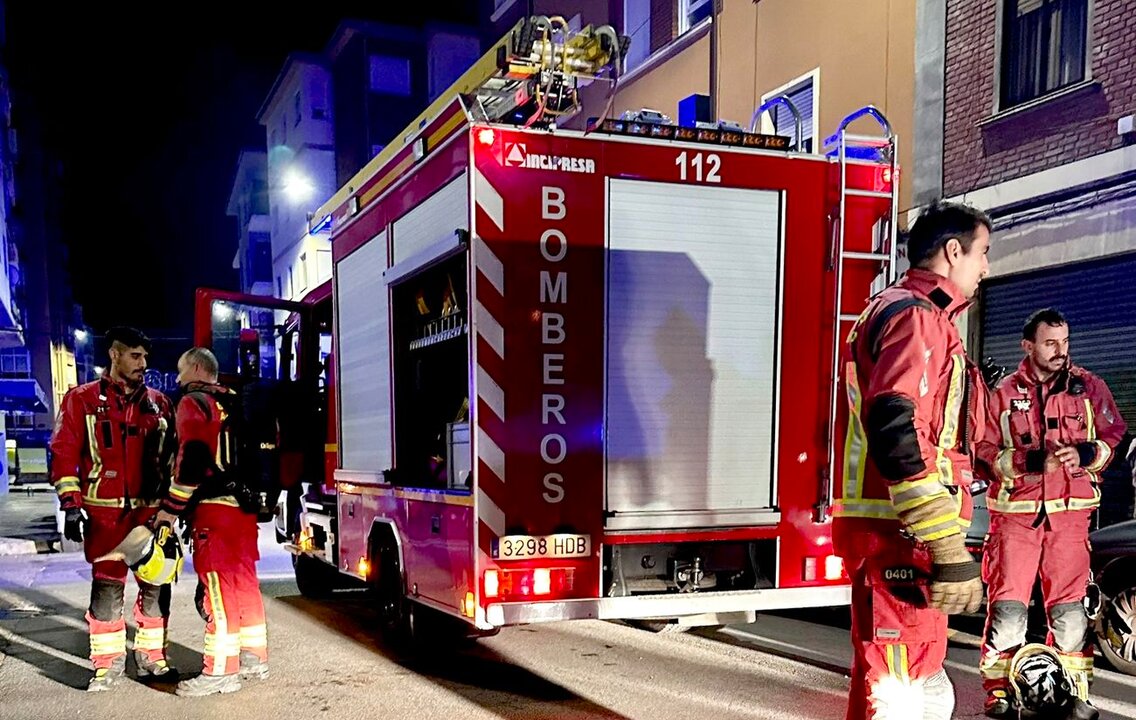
point(1114, 569)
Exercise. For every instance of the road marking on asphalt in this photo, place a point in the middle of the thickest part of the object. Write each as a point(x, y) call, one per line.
point(45, 649)
point(13, 602)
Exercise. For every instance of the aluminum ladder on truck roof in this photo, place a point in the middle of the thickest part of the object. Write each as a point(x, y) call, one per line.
point(846, 147)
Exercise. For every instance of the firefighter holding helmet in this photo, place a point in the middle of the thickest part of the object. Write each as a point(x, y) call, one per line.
point(917, 406)
point(110, 451)
point(210, 491)
point(1053, 427)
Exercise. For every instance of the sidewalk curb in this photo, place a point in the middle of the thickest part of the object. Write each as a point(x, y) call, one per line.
point(21, 546)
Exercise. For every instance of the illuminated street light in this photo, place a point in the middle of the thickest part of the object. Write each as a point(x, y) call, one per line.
point(99, 369)
point(297, 187)
point(80, 335)
point(221, 311)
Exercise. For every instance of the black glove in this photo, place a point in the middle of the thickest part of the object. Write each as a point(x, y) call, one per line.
point(992, 372)
point(73, 521)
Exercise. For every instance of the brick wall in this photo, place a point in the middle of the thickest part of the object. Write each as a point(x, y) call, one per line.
point(976, 154)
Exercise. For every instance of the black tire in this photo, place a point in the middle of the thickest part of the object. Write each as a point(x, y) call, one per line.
point(315, 578)
point(661, 627)
point(398, 615)
point(1116, 631)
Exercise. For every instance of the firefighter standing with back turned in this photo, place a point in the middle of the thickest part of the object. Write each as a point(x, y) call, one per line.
point(916, 408)
point(110, 453)
point(220, 508)
point(1052, 428)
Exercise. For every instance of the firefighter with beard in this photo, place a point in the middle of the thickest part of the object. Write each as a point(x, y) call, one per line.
point(917, 404)
point(211, 492)
point(110, 463)
point(1052, 428)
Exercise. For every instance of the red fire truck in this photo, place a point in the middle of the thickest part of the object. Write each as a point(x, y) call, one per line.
point(570, 374)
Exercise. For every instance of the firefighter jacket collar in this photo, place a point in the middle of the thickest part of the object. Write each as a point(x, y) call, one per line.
point(108, 385)
point(1057, 382)
point(943, 293)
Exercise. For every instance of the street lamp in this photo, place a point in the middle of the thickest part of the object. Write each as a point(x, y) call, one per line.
point(80, 335)
point(99, 369)
point(297, 187)
point(222, 311)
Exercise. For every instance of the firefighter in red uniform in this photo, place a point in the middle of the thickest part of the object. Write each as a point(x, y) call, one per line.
point(916, 409)
point(110, 453)
point(221, 511)
point(1052, 428)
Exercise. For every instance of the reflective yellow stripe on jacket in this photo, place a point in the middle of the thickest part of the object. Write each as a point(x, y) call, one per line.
point(909, 494)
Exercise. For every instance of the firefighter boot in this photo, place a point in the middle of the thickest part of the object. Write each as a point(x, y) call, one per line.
point(1082, 710)
point(998, 704)
point(252, 667)
point(203, 685)
point(106, 678)
point(154, 669)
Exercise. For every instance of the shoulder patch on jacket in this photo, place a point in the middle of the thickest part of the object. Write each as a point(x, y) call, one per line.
point(886, 313)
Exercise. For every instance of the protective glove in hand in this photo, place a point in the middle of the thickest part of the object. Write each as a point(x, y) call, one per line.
point(956, 585)
point(74, 520)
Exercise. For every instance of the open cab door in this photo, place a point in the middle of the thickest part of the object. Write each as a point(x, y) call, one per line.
point(273, 353)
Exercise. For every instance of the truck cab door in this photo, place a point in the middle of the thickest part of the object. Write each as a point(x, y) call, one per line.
point(269, 351)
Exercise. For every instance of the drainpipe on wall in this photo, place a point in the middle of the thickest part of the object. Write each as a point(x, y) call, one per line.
point(716, 7)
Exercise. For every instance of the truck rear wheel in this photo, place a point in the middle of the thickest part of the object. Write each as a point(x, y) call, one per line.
point(660, 627)
point(397, 613)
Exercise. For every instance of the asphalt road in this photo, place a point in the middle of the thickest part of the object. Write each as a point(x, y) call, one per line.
point(327, 661)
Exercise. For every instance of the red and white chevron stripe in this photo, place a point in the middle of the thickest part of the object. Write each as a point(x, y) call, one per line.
point(489, 333)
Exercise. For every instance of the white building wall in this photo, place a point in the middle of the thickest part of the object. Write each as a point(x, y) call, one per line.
point(300, 154)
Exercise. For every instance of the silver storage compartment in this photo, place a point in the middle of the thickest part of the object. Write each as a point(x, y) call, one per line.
point(458, 457)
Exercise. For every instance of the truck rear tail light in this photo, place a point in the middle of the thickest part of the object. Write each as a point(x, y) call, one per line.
point(542, 581)
point(833, 567)
point(522, 583)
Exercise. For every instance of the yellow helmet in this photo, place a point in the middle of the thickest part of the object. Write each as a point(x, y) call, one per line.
point(154, 556)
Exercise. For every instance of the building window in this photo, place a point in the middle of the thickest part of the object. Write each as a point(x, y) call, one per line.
point(14, 363)
point(279, 286)
point(291, 284)
point(1044, 47)
point(780, 121)
point(390, 75)
point(296, 109)
point(637, 26)
point(323, 265)
point(303, 272)
point(692, 12)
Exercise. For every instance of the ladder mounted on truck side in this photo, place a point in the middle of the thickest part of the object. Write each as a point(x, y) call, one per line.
point(878, 251)
point(530, 77)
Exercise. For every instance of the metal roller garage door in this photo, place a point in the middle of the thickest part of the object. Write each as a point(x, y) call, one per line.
point(1098, 298)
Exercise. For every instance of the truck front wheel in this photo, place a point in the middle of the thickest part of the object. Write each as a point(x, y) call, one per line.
point(315, 578)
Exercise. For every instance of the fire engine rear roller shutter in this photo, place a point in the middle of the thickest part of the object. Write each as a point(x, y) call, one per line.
point(433, 220)
point(693, 310)
point(364, 358)
point(1098, 298)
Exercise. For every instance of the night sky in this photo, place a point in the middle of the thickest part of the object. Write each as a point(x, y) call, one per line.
point(148, 112)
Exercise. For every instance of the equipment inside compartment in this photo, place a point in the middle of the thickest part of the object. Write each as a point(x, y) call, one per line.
point(431, 379)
